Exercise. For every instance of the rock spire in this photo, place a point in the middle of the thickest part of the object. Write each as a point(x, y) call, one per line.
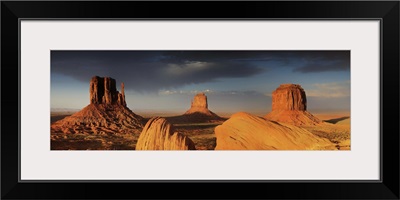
point(103, 90)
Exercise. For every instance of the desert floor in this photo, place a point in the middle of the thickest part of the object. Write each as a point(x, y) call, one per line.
point(336, 128)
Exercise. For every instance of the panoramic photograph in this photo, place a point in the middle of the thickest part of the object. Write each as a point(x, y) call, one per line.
point(200, 100)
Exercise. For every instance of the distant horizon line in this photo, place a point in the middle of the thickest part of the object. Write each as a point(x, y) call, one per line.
point(137, 110)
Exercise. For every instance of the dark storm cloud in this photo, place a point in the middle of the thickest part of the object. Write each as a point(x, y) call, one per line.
point(154, 70)
point(146, 70)
point(210, 56)
point(326, 61)
point(182, 56)
point(300, 61)
point(323, 67)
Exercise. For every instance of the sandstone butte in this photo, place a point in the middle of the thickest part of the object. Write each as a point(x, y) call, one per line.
point(244, 131)
point(158, 134)
point(106, 113)
point(198, 112)
point(289, 105)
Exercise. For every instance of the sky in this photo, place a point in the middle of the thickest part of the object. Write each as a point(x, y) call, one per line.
point(166, 81)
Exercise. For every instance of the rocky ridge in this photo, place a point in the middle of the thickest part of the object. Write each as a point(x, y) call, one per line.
point(159, 134)
point(244, 131)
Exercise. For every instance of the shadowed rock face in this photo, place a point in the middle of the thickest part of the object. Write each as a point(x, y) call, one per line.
point(103, 91)
point(158, 134)
point(244, 131)
point(289, 105)
point(107, 112)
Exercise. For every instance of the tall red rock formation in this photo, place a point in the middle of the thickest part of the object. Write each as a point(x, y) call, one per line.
point(200, 101)
point(244, 131)
point(289, 97)
point(96, 90)
point(289, 105)
point(103, 90)
point(107, 112)
point(198, 112)
point(158, 134)
point(121, 96)
point(199, 104)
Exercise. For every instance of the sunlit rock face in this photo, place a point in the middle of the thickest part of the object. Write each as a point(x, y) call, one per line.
point(244, 131)
point(159, 134)
point(289, 105)
point(289, 97)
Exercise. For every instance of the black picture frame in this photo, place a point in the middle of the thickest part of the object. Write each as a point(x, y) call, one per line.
point(386, 11)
